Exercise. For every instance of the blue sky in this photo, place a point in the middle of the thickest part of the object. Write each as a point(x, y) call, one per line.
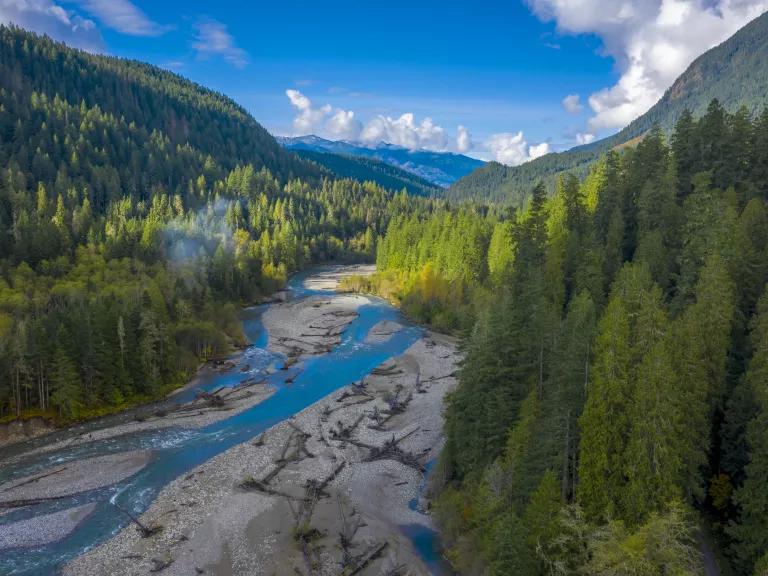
point(517, 75)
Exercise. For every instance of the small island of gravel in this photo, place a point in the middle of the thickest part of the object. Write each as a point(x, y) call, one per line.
point(43, 529)
point(74, 477)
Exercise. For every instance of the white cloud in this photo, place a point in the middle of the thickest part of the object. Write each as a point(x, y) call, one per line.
point(48, 17)
point(572, 104)
point(309, 120)
point(298, 99)
point(404, 131)
point(584, 138)
point(336, 124)
point(213, 39)
point(652, 42)
point(339, 124)
point(537, 150)
point(123, 16)
point(463, 139)
point(343, 125)
point(512, 149)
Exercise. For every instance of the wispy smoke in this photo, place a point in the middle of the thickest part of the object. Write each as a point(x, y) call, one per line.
point(196, 236)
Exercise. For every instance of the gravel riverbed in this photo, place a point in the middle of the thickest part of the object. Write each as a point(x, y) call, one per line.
point(245, 511)
point(328, 490)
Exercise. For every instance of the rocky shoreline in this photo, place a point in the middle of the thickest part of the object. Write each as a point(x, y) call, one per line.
point(349, 464)
point(326, 491)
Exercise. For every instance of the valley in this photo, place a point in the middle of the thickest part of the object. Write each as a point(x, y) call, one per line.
point(531, 342)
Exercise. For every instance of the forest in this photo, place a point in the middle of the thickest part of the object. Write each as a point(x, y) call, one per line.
point(138, 213)
point(613, 402)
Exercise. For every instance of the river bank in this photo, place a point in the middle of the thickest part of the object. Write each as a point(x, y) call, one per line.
point(360, 450)
point(349, 464)
point(152, 415)
point(179, 407)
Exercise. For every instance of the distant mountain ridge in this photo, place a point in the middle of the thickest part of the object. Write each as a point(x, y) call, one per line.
point(735, 72)
point(439, 168)
point(372, 170)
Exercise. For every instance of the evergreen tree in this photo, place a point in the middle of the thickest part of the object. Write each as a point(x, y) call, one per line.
point(65, 386)
point(751, 532)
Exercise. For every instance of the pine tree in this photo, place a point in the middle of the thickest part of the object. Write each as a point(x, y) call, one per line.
point(542, 513)
point(604, 423)
point(65, 386)
point(685, 147)
point(705, 327)
point(751, 533)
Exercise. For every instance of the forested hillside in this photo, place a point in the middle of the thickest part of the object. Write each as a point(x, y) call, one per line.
point(372, 170)
point(735, 73)
point(614, 393)
point(138, 211)
point(147, 106)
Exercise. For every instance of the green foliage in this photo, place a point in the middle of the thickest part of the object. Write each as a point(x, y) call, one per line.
point(138, 211)
point(501, 253)
point(435, 260)
point(663, 545)
point(751, 497)
point(629, 462)
point(606, 364)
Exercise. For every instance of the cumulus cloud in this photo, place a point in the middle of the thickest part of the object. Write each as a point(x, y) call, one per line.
point(48, 17)
point(298, 99)
point(343, 125)
point(123, 16)
point(651, 41)
point(537, 150)
point(512, 149)
point(212, 39)
point(584, 138)
point(308, 120)
point(572, 104)
point(405, 131)
point(463, 139)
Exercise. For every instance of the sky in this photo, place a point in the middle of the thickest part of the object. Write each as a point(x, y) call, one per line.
point(505, 80)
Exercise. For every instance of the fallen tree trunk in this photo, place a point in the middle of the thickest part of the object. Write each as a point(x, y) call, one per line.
point(367, 558)
point(28, 501)
point(36, 478)
point(144, 530)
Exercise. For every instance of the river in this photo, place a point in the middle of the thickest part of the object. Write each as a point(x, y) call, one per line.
point(175, 451)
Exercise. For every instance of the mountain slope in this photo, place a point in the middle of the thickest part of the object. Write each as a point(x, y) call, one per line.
point(148, 101)
point(735, 72)
point(439, 168)
point(372, 170)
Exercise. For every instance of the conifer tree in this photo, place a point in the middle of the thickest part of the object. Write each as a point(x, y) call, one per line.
point(751, 532)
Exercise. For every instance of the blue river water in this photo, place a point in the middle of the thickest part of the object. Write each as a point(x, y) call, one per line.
point(176, 450)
